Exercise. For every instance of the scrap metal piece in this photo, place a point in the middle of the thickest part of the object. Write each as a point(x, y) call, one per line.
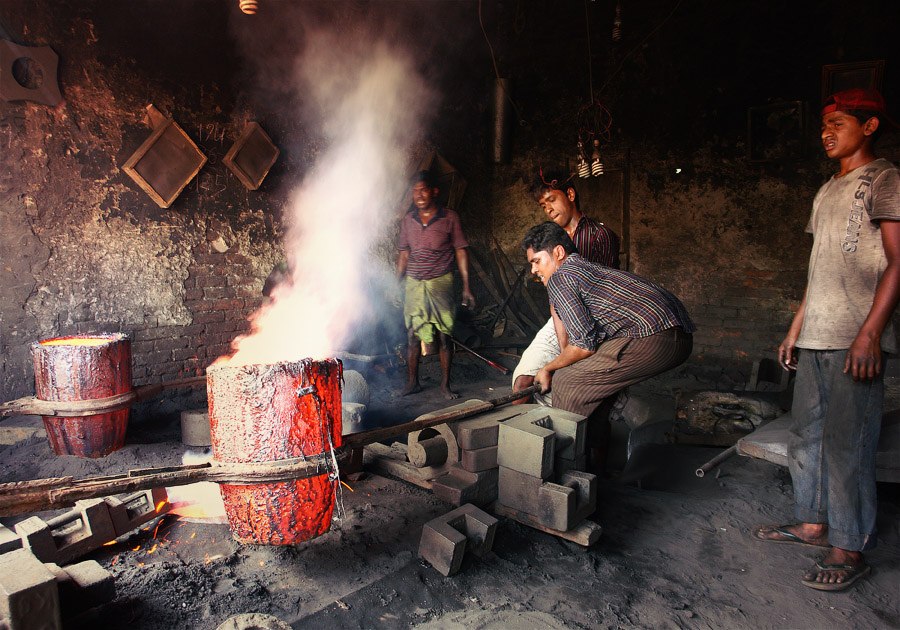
point(40, 62)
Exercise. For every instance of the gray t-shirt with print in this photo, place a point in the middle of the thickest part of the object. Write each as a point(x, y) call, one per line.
point(847, 257)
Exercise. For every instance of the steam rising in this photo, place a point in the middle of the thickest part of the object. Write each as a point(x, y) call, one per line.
point(369, 102)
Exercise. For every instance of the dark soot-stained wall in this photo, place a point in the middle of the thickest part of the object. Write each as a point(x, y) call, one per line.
point(84, 249)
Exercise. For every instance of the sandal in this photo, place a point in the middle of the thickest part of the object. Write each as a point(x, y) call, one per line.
point(784, 536)
point(854, 573)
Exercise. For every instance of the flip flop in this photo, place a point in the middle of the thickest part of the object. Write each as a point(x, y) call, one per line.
point(786, 536)
point(854, 573)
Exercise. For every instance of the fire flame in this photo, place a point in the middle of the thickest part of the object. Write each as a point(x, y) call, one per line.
point(371, 99)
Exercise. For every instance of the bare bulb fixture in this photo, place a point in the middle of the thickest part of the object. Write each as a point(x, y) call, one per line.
point(596, 163)
point(583, 169)
point(617, 23)
point(249, 6)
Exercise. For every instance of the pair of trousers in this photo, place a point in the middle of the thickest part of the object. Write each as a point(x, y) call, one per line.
point(832, 447)
point(618, 363)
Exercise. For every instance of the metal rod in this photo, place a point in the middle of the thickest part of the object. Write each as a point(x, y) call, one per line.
point(23, 497)
point(715, 461)
point(355, 440)
point(496, 366)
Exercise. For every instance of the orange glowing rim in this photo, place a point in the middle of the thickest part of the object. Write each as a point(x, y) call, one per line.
point(84, 340)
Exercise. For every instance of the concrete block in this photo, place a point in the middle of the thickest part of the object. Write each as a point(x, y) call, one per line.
point(87, 585)
point(352, 418)
point(446, 539)
point(481, 431)
point(559, 506)
point(133, 510)
point(570, 429)
point(442, 546)
point(195, 427)
point(477, 433)
point(585, 487)
point(527, 447)
point(460, 486)
point(28, 593)
point(479, 459)
point(69, 535)
point(561, 465)
point(9, 540)
point(549, 503)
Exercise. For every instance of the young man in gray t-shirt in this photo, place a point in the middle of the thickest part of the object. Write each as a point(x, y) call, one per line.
point(842, 328)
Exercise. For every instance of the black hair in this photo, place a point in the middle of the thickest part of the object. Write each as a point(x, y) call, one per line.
point(552, 180)
point(863, 115)
point(546, 236)
point(427, 177)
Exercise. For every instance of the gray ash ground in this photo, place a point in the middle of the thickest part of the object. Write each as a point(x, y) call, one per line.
point(675, 552)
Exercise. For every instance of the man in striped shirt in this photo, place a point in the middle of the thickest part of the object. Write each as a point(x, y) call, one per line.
point(616, 328)
point(595, 242)
point(431, 241)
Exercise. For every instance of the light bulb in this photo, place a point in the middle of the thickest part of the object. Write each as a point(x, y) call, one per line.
point(583, 169)
point(596, 164)
point(617, 24)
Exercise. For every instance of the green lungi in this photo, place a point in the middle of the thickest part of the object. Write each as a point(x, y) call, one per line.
point(429, 307)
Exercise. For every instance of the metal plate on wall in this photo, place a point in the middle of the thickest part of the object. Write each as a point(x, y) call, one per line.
point(165, 163)
point(251, 156)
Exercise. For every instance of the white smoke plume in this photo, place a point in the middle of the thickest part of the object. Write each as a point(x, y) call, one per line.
point(370, 104)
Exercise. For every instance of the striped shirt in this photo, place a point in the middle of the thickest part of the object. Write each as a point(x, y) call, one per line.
point(596, 243)
point(432, 248)
point(597, 303)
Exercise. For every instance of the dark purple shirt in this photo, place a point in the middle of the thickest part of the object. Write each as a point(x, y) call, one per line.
point(432, 248)
point(596, 243)
point(596, 303)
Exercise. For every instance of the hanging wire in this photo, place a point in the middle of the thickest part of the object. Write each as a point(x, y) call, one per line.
point(587, 26)
point(641, 43)
point(496, 69)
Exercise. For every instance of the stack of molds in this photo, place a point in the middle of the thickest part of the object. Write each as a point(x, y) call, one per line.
point(541, 458)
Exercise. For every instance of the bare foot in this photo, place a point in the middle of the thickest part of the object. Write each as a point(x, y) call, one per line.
point(838, 570)
point(448, 393)
point(411, 388)
point(801, 534)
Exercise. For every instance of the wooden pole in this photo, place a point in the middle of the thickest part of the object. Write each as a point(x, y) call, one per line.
point(24, 497)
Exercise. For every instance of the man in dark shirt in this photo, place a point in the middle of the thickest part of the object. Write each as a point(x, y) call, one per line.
point(620, 329)
point(431, 240)
point(595, 242)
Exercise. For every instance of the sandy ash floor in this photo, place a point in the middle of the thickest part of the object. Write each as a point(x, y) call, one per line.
point(675, 552)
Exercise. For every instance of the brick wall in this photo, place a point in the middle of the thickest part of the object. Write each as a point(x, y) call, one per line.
point(221, 291)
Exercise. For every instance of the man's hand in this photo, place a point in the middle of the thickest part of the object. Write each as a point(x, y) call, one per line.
point(468, 300)
point(543, 378)
point(863, 360)
point(787, 352)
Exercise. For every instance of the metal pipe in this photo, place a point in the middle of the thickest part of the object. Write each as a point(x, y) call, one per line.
point(715, 461)
point(23, 497)
point(496, 366)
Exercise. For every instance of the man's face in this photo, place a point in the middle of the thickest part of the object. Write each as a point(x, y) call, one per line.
point(543, 263)
point(423, 195)
point(559, 205)
point(843, 135)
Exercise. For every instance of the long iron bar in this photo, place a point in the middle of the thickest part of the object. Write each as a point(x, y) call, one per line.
point(23, 497)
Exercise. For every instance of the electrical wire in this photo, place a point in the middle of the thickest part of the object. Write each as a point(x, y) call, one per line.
point(496, 69)
point(587, 27)
point(641, 43)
